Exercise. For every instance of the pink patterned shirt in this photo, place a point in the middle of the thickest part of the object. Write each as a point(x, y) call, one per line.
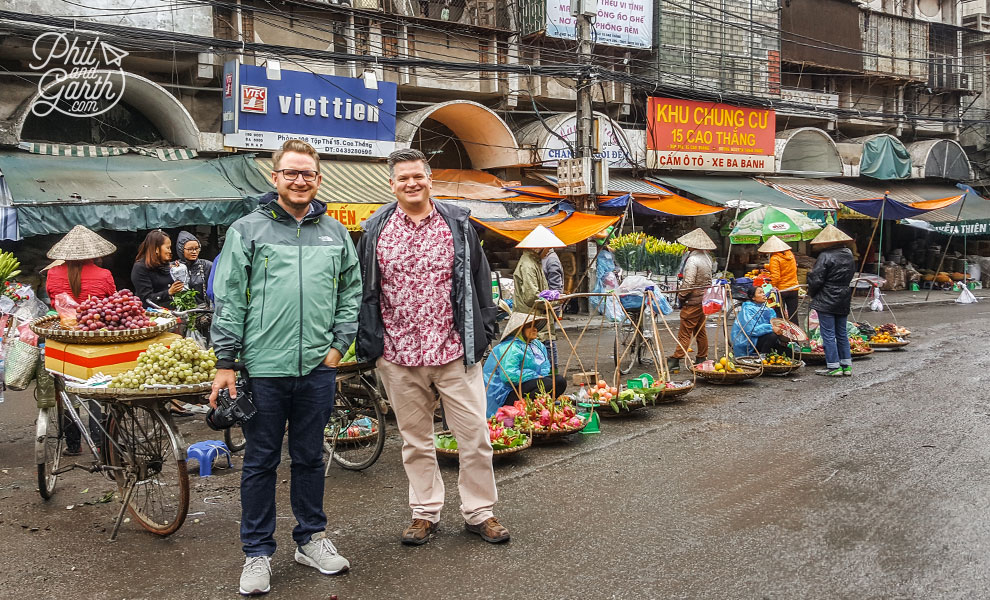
point(416, 264)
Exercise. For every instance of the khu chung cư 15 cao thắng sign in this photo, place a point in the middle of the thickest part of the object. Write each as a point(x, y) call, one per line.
point(262, 108)
point(709, 136)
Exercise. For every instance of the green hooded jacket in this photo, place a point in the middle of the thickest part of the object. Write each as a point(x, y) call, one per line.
point(286, 292)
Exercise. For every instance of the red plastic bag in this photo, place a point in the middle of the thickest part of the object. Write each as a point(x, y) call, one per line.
point(67, 308)
point(714, 300)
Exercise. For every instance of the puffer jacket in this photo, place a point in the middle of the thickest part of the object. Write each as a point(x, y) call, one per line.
point(828, 281)
point(697, 274)
point(470, 292)
point(783, 271)
point(286, 292)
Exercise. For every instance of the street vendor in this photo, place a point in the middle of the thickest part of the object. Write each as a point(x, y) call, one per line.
point(831, 295)
point(783, 276)
point(519, 362)
point(606, 273)
point(75, 272)
point(695, 277)
point(752, 332)
point(150, 274)
point(528, 278)
point(189, 249)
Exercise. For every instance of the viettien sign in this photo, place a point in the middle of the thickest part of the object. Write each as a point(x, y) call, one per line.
point(627, 23)
point(613, 147)
point(709, 136)
point(336, 115)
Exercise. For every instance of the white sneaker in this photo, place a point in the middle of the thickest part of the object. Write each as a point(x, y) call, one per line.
point(321, 554)
point(256, 576)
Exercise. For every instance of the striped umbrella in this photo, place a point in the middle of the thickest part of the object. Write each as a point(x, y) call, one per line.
point(759, 224)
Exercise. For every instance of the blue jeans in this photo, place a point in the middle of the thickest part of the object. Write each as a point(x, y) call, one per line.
point(835, 340)
point(306, 403)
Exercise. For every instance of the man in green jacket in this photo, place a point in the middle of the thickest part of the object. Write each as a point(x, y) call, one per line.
point(287, 294)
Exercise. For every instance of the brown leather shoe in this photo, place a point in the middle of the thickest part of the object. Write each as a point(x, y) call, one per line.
point(418, 533)
point(491, 531)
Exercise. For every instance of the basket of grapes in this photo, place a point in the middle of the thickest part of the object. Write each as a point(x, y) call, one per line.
point(773, 363)
point(182, 369)
point(111, 320)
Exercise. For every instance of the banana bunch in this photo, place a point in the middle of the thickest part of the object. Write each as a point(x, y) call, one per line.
point(10, 267)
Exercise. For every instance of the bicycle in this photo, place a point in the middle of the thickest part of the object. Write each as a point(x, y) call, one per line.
point(354, 436)
point(142, 451)
point(629, 346)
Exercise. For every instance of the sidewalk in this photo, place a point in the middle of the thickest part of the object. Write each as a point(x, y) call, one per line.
point(895, 300)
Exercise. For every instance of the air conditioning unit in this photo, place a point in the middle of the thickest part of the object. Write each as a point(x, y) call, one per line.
point(959, 81)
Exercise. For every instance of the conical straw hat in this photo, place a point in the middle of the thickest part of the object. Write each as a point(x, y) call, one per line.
point(516, 322)
point(81, 244)
point(831, 235)
point(541, 237)
point(697, 240)
point(774, 244)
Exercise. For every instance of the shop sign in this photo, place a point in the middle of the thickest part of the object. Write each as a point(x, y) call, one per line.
point(336, 115)
point(818, 102)
point(613, 148)
point(626, 23)
point(709, 136)
point(352, 215)
point(978, 228)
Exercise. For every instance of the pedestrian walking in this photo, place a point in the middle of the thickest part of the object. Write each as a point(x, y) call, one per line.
point(529, 279)
point(783, 276)
point(831, 295)
point(427, 317)
point(301, 271)
point(695, 278)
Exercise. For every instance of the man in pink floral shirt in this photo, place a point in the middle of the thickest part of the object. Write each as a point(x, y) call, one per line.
point(427, 316)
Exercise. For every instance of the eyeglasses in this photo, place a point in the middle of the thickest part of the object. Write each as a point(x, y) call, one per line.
point(193, 249)
point(292, 174)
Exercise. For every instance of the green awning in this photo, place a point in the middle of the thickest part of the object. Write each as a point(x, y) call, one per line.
point(52, 194)
point(727, 191)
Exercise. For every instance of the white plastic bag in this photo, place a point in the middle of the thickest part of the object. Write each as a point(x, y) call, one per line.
point(966, 297)
point(179, 272)
point(876, 305)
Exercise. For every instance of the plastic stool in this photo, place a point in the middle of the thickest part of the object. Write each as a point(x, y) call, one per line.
point(206, 453)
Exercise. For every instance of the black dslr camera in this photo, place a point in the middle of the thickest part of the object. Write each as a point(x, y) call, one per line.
point(232, 411)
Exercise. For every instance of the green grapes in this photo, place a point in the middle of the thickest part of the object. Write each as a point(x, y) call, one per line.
point(182, 363)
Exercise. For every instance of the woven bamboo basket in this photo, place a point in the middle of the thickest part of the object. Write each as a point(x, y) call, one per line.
point(888, 345)
point(544, 436)
point(49, 328)
point(361, 438)
point(771, 369)
point(672, 395)
point(129, 395)
point(503, 452)
point(723, 378)
point(606, 410)
point(818, 358)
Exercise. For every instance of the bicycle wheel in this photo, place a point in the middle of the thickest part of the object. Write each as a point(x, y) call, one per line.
point(625, 350)
point(145, 452)
point(48, 443)
point(234, 438)
point(346, 437)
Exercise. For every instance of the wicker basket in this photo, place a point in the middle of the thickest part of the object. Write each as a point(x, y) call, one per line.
point(723, 378)
point(503, 452)
point(888, 345)
point(771, 369)
point(606, 410)
point(818, 358)
point(361, 438)
point(544, 436)
point(128, 394)
point(49, 328)
point(673, 394)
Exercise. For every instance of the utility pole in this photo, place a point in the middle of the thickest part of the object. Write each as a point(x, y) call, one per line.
point(584, 12)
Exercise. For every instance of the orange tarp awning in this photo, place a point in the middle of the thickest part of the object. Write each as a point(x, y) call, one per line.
point(936, 204)
point(682, 207)
point(575, 228)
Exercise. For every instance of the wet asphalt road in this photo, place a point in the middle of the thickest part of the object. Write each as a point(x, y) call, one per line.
point(869, 487)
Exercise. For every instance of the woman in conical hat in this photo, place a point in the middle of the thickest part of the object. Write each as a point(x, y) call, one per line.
point(74, 271)
point(519, 362)
point(831, 295)
point(694, 277)
point(783, 276)
point(528, 279)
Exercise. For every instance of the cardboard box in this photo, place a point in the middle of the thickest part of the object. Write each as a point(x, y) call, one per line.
point(85, 360)
point(586, 377)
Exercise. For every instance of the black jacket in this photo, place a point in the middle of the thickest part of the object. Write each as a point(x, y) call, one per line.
point(828, 281)
point(151, 285)
point(470, 295)
point(199, 269)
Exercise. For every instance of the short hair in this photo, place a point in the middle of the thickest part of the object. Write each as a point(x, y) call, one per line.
point(295, 146)
point(148, 250)
point(406, 155)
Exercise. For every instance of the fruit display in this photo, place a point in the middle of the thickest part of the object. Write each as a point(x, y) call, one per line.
point(883, 338)
point(757, 273)
point(775, 359)
point(893, 330)
point(722, 365)
point(857, 344)
point(502, 438)
point(541, 414)
point(183, 363)
point(10, 267)
point(121, 311)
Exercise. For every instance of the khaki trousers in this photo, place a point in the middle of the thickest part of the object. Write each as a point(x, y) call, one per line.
point(692, 325)
point(464, 403)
